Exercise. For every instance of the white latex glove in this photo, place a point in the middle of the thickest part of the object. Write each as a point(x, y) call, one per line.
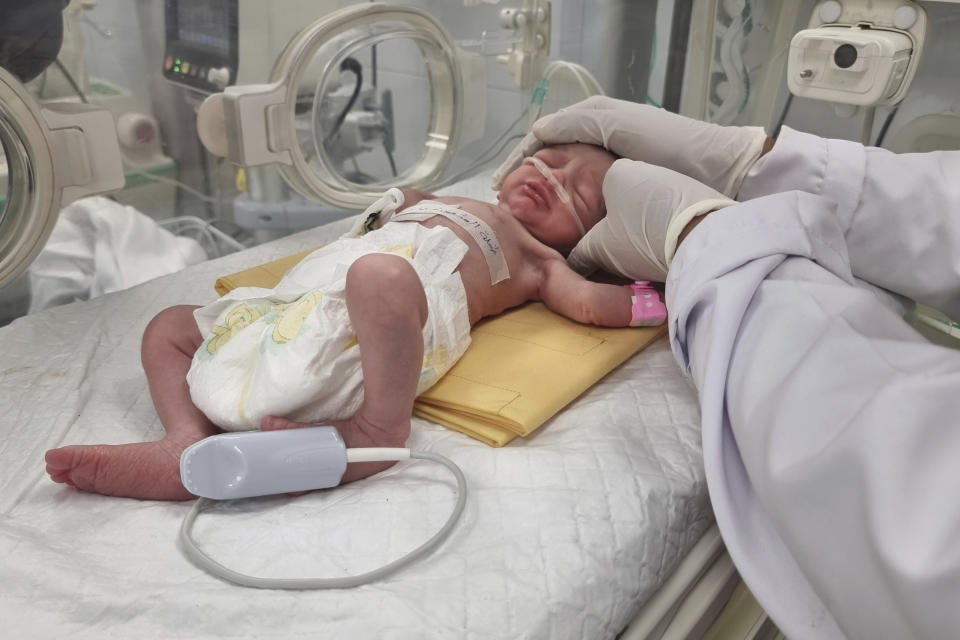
point(715, 155)
point(647, 209)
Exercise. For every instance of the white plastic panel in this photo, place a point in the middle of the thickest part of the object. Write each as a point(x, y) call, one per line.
point(52, 156)
point(30, 204)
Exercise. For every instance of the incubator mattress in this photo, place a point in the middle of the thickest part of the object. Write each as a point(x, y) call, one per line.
point(565, 534)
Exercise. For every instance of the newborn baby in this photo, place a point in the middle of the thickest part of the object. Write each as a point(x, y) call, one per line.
point(358, 328)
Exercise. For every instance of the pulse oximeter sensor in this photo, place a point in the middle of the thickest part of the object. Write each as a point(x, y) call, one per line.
point(249, 464)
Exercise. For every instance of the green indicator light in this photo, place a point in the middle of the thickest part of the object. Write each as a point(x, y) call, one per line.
point(176, 69)
point(178, 60)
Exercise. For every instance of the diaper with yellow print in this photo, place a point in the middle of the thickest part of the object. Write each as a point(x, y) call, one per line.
point(291, 350)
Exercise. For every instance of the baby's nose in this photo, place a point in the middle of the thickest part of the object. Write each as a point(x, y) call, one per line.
point(553, 176)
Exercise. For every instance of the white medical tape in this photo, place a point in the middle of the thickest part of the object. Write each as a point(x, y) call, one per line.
point(562, 194)
point(377, 214)
point(479, 230)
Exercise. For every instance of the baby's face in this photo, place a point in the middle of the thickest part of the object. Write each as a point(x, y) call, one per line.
point(530, 198)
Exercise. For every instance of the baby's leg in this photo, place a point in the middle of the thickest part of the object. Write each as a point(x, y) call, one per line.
point(148, 470)
point(388, 309)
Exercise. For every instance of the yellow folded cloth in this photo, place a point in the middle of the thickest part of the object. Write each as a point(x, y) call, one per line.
point(266, 275)
point(521, 368)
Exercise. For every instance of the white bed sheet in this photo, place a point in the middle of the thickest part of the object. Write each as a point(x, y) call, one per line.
point(565, 533)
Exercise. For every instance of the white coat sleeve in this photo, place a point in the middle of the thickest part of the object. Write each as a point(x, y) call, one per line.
point(900, 213)
point(830, 435)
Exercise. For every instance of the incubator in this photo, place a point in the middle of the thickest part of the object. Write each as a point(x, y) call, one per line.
point(261, 120)
point(250, 120)
point(257, 120)
point(240, 121)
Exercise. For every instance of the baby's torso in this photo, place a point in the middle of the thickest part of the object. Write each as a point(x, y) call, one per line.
point(503, 264)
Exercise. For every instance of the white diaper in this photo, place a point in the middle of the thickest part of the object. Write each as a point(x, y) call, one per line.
point(291, 350)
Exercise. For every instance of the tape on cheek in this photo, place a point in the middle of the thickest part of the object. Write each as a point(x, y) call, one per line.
point(562, 194)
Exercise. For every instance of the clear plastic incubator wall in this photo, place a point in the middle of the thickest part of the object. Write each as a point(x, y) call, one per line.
point(380, 100)
point(424, 96)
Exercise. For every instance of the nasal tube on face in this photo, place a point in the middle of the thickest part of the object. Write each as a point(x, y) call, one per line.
point(562, 194)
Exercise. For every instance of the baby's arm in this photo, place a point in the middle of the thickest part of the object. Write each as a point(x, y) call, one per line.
point(568, 293)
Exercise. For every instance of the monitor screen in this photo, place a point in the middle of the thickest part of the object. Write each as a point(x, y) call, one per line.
point(204, 23)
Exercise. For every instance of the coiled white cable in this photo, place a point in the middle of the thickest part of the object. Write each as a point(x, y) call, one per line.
point(205, 562)
point(212, 239)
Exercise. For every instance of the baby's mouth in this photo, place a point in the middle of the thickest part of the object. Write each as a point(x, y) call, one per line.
point(538, 193)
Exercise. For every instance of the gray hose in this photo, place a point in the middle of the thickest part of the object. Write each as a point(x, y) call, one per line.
point(205, 562)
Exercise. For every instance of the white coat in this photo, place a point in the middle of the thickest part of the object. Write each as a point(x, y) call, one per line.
point(831, 429)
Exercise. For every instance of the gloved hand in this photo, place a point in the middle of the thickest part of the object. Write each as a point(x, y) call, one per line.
point(715, 155)
point(647, 209)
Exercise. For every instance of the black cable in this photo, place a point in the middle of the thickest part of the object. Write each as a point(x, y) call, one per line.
point(886, 125)
point(389, 145)
point(71, 80)
point(783, 115)
point(353, 66)
point(393, 165)
point(373, 68)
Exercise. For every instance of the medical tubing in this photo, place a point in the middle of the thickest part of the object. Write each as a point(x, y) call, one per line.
point(562, 194)
point(205, 562)
point(485, 156)
point(589, 85)
point(179, 225)
point(175, 183)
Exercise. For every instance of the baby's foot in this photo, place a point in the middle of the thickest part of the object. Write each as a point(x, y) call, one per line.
point(356, 432)
point(147, 470)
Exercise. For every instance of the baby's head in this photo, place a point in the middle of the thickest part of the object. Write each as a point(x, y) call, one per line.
point(530, 195)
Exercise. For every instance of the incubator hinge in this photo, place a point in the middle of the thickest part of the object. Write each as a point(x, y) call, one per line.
point(528, 56)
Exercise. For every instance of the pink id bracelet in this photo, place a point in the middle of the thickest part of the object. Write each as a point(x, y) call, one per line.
point(648, 309)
